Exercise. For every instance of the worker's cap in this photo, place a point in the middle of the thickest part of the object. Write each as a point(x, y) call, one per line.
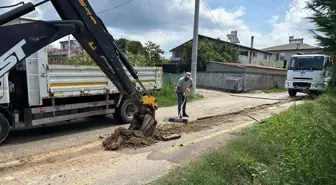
point(188, 75)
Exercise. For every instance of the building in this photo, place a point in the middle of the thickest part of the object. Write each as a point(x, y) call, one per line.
point(295, 45)
point(75, 49)
point(259, 57)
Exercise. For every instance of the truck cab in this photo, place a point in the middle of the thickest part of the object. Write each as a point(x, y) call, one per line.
point(308, 73)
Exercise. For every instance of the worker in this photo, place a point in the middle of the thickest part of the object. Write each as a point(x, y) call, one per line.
point(182, 90)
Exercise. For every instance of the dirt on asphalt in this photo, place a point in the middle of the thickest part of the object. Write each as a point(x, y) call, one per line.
point(124, 138)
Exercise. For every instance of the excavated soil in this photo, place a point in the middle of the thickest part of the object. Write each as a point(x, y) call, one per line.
point(124, 138)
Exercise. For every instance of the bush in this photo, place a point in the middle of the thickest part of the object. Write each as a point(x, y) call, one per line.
point(167, 96)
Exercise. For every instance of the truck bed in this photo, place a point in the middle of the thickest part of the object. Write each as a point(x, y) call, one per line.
point(45, 81)
point(67, 80)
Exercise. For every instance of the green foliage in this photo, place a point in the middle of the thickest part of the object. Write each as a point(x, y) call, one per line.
point(154, 54)
point(296, 147)
point(209, 51)
point(149, 55)
point(137, 59)
point(332, 82)
point(121, 43)
point(138, 55)
point(76, 61)
point(324, 17)
point(135, 47)
point(167, 96)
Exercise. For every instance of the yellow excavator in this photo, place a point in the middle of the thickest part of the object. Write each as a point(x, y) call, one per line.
point(79, 19)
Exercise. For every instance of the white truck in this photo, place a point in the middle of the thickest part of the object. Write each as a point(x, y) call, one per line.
point(308, 73)
point(35, 93)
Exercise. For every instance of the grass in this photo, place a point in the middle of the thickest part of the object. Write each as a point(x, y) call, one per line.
point(167, 96)
point(274, 90)
point(296, 147)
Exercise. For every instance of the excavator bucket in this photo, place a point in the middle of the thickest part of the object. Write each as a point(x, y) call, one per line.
point(144, 120)
point(145, 124)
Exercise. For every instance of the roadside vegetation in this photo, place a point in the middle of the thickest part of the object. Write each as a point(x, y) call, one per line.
point(139, 55)
point(296, 147)
point(167, 96)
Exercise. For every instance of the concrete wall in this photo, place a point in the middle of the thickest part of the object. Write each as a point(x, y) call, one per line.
point(254, 81)
point(215, 67)
point(216, 80)
point(254, 78)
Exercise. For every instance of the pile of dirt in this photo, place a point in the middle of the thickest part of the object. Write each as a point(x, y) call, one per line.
point(124, 138)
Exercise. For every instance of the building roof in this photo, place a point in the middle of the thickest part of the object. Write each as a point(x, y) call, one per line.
point(210, 38)
point(291, 46)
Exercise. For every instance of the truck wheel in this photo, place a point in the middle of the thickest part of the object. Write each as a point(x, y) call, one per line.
point(292, 92)
point(125, 112)
point(4, 127)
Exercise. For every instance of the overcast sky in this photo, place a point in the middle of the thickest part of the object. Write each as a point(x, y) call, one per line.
point(170, 22)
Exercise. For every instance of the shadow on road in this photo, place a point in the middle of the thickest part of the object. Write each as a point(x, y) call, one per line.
point(24, 135)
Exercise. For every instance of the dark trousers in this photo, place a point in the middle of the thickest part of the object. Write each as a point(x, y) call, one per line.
point(180, 99)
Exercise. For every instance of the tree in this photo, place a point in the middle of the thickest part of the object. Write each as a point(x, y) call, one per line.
point(137, 60)
point(139, 55)
point(122, 43)
point(135, 47)
point(324, 17)
point(209, 51)
point(154, 54)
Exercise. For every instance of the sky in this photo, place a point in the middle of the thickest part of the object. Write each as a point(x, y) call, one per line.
point(169, 23)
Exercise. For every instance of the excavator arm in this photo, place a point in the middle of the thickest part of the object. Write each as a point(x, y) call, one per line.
point(80, 20)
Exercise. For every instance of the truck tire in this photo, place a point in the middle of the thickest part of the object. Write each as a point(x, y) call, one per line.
point(125, 112)
point(292, 92)
point(4, 127)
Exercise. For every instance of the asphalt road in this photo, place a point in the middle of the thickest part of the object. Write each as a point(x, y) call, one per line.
point(34, 141)
point(131, 166)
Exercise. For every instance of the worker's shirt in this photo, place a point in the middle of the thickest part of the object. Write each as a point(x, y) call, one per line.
point(184, 84)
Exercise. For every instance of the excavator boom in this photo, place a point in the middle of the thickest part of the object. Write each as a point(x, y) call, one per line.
point(80, 20)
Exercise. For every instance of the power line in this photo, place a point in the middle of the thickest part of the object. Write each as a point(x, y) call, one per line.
point(122, 4)
point(263, 5)
point(281, 3)
point(13, 5)
point(206, 5)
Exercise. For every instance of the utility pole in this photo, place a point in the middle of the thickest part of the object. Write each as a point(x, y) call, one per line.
point(195, 46)
point(251, 51)
point(69, 44)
